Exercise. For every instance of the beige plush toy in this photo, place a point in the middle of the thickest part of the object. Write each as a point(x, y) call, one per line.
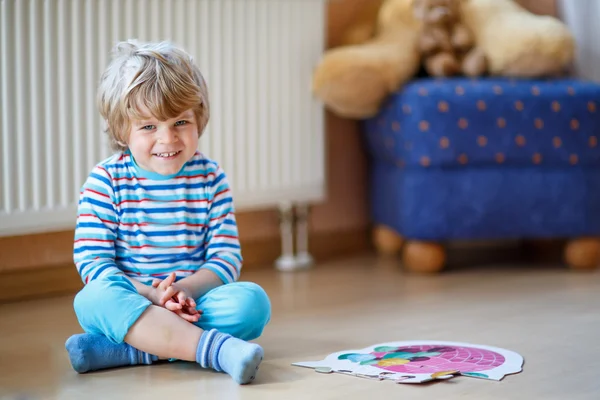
point(446, 45)
point(516, 42)
point(353, 80)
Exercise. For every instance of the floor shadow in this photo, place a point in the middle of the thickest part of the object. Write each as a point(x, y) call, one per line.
point(532, 255)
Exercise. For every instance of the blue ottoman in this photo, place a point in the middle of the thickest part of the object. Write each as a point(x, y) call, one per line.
point(487, 158)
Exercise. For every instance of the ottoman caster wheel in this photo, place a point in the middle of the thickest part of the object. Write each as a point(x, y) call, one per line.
point(424, 257)
point(386, 240)
point(583, 254)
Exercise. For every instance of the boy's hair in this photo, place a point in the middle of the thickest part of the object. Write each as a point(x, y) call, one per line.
point(156, 76)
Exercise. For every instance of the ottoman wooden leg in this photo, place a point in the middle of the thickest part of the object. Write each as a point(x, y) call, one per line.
point(386, 240)
point(583, 253)
point(424, 257)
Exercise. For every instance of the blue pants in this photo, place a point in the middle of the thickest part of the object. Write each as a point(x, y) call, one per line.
point(110, 306)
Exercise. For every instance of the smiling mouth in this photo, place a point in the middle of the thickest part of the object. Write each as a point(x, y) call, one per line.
point(167, 155)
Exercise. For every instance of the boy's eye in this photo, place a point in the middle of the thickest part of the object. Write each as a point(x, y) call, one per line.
point(180, 123)
point(147, 127)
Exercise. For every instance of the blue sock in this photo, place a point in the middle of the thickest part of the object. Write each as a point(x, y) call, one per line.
point(223, 352)
point(89, 352)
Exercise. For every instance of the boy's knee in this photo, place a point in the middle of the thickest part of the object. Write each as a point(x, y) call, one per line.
point(89, 296)
point(257, 303)
point(254, 308)
point(108, 306)
point(95, 292)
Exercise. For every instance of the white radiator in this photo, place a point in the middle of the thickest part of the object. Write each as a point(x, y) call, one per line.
point(257, 56)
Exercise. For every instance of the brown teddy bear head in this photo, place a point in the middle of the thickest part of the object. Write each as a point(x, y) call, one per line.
point(437, 12)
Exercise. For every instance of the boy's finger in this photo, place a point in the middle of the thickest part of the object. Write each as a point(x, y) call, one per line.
point(167, 295)
point(190, 302)
point(171, 278)
point(155, 283)
point(172, 306)
point(187, 317)
point(168, 281)
point(191, 311)
point(181, 298)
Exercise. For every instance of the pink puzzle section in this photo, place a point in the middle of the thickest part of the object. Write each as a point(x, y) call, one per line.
point(428, 359)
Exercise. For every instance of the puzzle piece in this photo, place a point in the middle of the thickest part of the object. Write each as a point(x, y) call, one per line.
point(421, 361)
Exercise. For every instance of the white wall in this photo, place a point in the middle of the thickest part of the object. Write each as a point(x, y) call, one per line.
point(583, 19)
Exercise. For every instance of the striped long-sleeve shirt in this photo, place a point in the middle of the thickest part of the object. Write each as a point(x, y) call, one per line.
point(147, 226)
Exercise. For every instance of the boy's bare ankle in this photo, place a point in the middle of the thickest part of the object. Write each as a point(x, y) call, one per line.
point(162, 333)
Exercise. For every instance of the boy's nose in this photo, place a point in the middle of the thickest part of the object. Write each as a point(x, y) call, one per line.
point(167, 136)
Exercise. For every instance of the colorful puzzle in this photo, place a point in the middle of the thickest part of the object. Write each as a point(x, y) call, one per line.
point(421, 361)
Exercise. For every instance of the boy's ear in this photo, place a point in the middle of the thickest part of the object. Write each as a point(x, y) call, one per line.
point(120, 140)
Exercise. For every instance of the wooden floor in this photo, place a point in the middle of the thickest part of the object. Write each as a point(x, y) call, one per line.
point(547, 314)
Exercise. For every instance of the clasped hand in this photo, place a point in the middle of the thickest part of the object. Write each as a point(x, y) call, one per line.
point(168, 294)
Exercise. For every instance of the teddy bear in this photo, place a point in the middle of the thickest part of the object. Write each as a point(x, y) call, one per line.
point(446, 45)
point(353, 80)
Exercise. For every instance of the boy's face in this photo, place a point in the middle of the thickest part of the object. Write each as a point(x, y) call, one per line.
point(163, 146)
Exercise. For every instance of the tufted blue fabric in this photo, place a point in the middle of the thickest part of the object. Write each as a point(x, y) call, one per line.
point(487, 158)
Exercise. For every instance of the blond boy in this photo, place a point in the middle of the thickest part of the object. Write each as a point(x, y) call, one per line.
point(156, 240)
